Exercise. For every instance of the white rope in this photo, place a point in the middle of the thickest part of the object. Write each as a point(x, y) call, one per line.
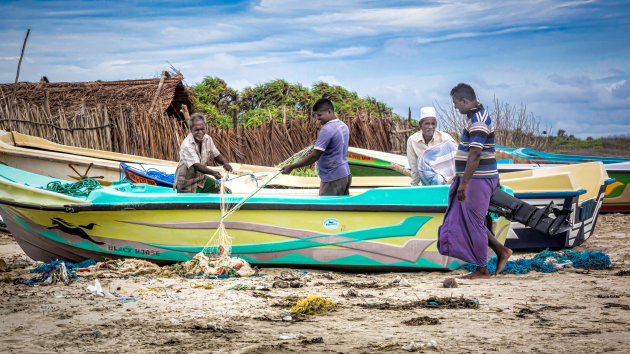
point(221, 239)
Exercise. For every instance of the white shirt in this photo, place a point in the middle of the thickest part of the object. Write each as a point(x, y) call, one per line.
point(416, 146)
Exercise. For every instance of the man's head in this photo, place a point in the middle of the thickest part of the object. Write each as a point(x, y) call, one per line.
point(464, 98)
point(324, 110)
point(197, 124)
point(428, 122)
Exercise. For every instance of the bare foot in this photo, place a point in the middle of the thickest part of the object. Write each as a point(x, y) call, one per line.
point(480, 273)
point(502, 259)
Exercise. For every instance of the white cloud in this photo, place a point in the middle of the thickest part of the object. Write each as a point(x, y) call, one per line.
point(74, 13)
point(402, 55)
point(329, 79)
point(240, 84)
point(338, 53)
point(620, 89)
point(284, 6)
point(461, 35)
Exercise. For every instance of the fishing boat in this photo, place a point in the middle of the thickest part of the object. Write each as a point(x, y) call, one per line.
point(384, 228)
point(545, 157)
point(365, 162)
point(44, 157)
point(578, 188)
point(249, 182)
point(617, 195)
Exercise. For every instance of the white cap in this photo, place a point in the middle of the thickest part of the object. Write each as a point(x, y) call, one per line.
point(427, 112)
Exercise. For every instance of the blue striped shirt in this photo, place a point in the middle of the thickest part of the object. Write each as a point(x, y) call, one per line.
point(478, 132)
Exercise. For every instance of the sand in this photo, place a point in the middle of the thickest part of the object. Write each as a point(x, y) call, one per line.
point(572, 310)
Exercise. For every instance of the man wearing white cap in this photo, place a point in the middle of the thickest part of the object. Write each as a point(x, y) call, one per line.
point(427, 136)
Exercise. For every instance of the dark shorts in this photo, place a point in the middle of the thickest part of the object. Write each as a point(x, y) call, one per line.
point(210, 186)
point(339, 186)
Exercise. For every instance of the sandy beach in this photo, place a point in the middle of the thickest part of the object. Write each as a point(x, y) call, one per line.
point(571, 310)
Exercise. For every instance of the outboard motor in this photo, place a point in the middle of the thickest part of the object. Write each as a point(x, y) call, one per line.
point(549, 220)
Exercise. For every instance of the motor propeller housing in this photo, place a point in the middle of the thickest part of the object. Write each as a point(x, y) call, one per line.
point(550, 220)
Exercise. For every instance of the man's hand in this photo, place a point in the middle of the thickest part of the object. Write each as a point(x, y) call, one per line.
point(461, 191)
point(216, 175)
point(227, 167)
point(286, 169)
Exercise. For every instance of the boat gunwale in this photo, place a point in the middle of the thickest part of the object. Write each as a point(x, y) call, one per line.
point(74, 208)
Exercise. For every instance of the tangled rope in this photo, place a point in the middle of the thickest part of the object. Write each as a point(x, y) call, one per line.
point(55, 271)
point(541, 262)
point(312, 304)
point(220, 243)
point(82, 188)
point(199, 267)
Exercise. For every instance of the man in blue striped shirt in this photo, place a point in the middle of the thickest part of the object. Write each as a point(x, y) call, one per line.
point(463, 233)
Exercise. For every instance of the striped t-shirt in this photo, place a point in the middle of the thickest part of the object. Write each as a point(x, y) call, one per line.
point(478, 132)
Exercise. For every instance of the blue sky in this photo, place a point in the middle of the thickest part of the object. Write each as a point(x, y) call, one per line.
point(567, 61)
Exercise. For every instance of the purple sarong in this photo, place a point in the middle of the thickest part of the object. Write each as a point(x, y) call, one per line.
point(463, 232)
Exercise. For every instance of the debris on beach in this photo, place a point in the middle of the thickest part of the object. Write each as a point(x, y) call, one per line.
point(57, 271)
point(422, 320)
point(621, 306)
point(313, 340)
point(199, 267)
point(280, 284)
point(352, 292)
point(400, 281)
point(364, 285)
point(548, 262)
point(283, 316)
point(312, 304)
point(431, 302)
point(285, 336)
point(415, 346)
point(450, 283)
point(294, 279)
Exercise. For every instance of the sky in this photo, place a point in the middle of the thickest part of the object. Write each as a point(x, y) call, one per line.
point(567, 61)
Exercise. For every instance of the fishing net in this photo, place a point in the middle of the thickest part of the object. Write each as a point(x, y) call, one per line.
point(82, 188)
point(56, 271)
point(219, 245)
point(214, 261)
point(548, 261)
point(198, 267)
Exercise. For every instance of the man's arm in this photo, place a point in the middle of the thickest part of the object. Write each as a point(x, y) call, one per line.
point(204, 169)
point(474, 155)
point(226, 166)
point(309, 159)
point(413, 163)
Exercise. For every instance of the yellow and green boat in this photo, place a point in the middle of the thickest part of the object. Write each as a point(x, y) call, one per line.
point(384, 228)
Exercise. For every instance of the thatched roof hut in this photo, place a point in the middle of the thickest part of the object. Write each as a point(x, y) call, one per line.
point(73, 97)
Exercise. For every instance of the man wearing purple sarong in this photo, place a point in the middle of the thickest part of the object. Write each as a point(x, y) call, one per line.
point(463, 233)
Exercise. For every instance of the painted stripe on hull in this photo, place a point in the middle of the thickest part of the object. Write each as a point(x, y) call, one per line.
point(76, 208)
point(41, 247)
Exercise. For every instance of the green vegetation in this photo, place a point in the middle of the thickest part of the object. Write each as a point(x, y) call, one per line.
point(278, 99)
point(571, 142)
point(568, 144)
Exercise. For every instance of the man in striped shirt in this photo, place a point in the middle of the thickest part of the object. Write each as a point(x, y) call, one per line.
point(463, 233)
